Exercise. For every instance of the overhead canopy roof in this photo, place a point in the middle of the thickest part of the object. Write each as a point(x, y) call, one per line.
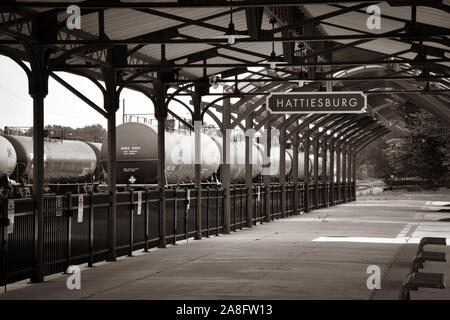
point(320, 42)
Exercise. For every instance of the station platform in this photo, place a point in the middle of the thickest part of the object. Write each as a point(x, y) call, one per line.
point(319, 255)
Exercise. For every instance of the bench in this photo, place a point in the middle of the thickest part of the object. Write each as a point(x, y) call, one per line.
point(423, 256)
point(415, 279)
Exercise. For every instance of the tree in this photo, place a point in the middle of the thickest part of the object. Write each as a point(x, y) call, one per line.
point(423, 150)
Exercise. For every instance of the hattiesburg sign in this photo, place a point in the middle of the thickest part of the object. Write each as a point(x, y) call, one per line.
point(316, 102)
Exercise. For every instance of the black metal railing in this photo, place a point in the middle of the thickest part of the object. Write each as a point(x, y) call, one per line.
point(76, 225)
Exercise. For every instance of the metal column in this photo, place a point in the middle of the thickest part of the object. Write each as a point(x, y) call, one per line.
point(197, 99)
point(38, 90)
point(295, 145)
point(283, 170)
point(344, 172)
point(226, 165)
point(316, 174)
point(248, 168)
point(338, 171)
point(331, 143)
point(324, 171)
point(354, 174)
point(38, 181)
point(161, 116)
point(306, 147)
point(266, 166)
point(111, 104)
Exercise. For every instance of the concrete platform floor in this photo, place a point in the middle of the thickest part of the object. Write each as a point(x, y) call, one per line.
point(320, 255)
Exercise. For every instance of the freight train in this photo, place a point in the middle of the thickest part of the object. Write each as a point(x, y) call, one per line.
point(73, 164)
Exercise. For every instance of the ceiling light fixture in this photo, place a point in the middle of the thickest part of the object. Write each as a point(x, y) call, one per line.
point(273, 59)
point(231, 34)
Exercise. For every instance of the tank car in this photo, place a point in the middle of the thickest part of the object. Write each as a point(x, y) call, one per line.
point(64, 161)
point(137, 155)
point(237, 158)
point(8, 157)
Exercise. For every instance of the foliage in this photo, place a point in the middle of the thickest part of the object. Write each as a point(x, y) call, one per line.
point(93, 133)
point(420, 147)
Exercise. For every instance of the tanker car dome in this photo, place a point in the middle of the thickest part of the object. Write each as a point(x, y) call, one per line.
point(136, 152)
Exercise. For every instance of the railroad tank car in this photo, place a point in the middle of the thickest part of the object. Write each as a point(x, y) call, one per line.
point(237, 158)
point(275, 162)
point(99, 172)
point(8, 157)
point(137, 154)
point(65, 161)
point(301, 163)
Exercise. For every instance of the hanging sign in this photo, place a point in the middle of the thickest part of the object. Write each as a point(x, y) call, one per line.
point(188, 199)
point(316, 102)
point(58, 206)
point(11, 210)
point(80, 208)
point(139, 205)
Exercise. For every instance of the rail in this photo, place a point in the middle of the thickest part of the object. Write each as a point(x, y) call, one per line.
point(76, 225)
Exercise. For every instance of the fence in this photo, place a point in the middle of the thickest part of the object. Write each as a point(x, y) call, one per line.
point(76, 225)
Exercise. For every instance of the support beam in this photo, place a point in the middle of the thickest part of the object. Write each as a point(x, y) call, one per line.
point(316, 147)
point(295, 150)
point(283, 170)
point(249, 167)
point(111, 105)
point(38, 90)
point(349, 172)
point(226, 115)
point(338, 171)
point(161, 112)
point(266, 167)
point(332, 172)
point(324, 170)
point(344, 171)
point(306, 147)
point(197, 118)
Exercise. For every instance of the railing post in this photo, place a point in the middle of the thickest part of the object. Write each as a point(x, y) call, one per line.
point(131, 226)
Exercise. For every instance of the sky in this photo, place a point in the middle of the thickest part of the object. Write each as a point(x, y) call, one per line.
point(61, 106)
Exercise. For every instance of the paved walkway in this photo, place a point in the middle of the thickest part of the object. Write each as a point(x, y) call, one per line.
point(321, 255)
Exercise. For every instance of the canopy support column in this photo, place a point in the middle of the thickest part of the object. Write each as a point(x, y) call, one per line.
point(344, 172)
point(338, 171)
point(316, 174)
point(111, 105)
point(324, 171)
point(283, 170)
point(197, 100)
point(332, 161)
point(295, 145)
point(161, 116)
point(248, 167)
point(226, 115)
point(266, 168)
point(38, 90)
point(306, 147)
